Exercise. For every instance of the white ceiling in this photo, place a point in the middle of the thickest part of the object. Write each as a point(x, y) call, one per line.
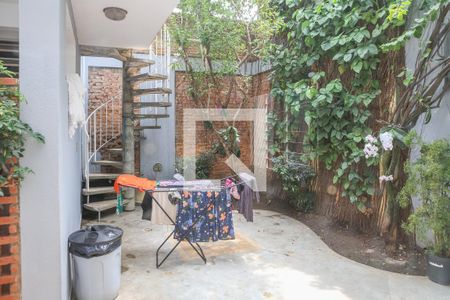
point(143, 21)
point(9, 13)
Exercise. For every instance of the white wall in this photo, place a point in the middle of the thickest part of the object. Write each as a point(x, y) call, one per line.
point(439, 126)
point(50, 198)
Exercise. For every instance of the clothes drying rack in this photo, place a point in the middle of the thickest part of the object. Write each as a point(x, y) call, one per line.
point(184, 237)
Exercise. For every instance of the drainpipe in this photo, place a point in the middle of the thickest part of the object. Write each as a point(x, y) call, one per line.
point(128, 136)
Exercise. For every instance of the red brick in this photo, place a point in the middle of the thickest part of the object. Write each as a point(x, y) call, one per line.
point(11, 239)
point(9, 200)
point(9, 260)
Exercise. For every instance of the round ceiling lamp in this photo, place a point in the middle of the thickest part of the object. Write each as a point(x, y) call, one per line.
point(115, 13)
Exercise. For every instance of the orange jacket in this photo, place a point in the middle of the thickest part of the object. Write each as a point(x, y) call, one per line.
point(142, 184)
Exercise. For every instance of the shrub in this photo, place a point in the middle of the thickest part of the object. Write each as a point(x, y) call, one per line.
point(429, 179)
point(13, 133)
point(295, 177)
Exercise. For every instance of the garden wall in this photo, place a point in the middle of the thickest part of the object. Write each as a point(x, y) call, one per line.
point(205, 138)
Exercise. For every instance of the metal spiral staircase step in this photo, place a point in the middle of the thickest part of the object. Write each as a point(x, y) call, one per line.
point(98, 190)
point(100, 206)
point(139, 63)
point(151, 116)
point(140, 128)
point(151, 91)
point(152, 104)
point(112, 163)
point(99, 176)
point(146, 77)
point(115, 150)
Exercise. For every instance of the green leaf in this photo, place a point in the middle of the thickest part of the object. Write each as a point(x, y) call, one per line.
point(428, 116)
point(367, 101)
point(357, 66)
point(372, 49)
point(348, 57)
point(376, 32)
point(305, 27)
point(361, 206)
point(308, 119)
point(311, 93)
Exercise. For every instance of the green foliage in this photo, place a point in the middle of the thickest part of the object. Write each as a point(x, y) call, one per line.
point(295, 177)
point(13, 133)
point(214, 40)
point(429, 180)
point(325, 68)
point(397, 12)
point(224, 34)
point(230, 137)
point(203, 165)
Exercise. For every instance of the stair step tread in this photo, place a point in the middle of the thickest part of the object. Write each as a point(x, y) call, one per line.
point(151, 116)
point(96, 176)
point(152, 104)
point(103, 205)
point(147, 77)
point(113, 163)
point(139, 63)
point(151, 91)
point(147, 127)
point(98, 190)
point(116, 150)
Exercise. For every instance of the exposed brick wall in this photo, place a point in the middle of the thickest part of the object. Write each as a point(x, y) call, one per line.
point(9, 245)
point(9, 234)
point(104, 84)
point(205, 137)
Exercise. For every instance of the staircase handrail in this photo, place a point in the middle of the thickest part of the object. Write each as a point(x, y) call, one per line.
point(107, 134)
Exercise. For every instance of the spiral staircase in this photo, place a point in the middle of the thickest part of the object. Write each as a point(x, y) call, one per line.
point(148, 76)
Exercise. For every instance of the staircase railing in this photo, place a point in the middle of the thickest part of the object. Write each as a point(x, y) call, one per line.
point(160, 52)
point(103, 125)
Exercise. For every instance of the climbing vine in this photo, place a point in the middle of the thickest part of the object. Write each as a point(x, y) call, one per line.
point(326, 61)
point(325, 69)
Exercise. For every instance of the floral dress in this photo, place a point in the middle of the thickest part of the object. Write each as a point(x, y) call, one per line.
point(211, 213)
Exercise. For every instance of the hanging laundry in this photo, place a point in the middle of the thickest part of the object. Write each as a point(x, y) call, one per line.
point(142, 184)
point(158, 216)
point(248, 194)
point(210, 214)
point(147, 204)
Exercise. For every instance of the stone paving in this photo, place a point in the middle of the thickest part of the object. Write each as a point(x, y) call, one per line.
point(276, 257)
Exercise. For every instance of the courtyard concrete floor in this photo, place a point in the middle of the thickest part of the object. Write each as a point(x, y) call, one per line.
point(276, 257)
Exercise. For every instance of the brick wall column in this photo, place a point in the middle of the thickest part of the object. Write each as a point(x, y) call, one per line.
point(9, 245)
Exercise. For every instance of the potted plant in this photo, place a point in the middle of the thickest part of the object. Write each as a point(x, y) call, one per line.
point(429, 181)
point(12, 133)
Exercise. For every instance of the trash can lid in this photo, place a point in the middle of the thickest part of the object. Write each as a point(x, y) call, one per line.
point(95, 240)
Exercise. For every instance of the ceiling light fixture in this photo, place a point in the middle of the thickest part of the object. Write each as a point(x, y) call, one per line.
point(115, 13)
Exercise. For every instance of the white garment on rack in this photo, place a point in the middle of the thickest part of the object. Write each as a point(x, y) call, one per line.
point(158, 216)
point(249, 180)
point(76, 102)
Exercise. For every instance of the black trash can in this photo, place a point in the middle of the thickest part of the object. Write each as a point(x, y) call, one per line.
point(96, 257)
